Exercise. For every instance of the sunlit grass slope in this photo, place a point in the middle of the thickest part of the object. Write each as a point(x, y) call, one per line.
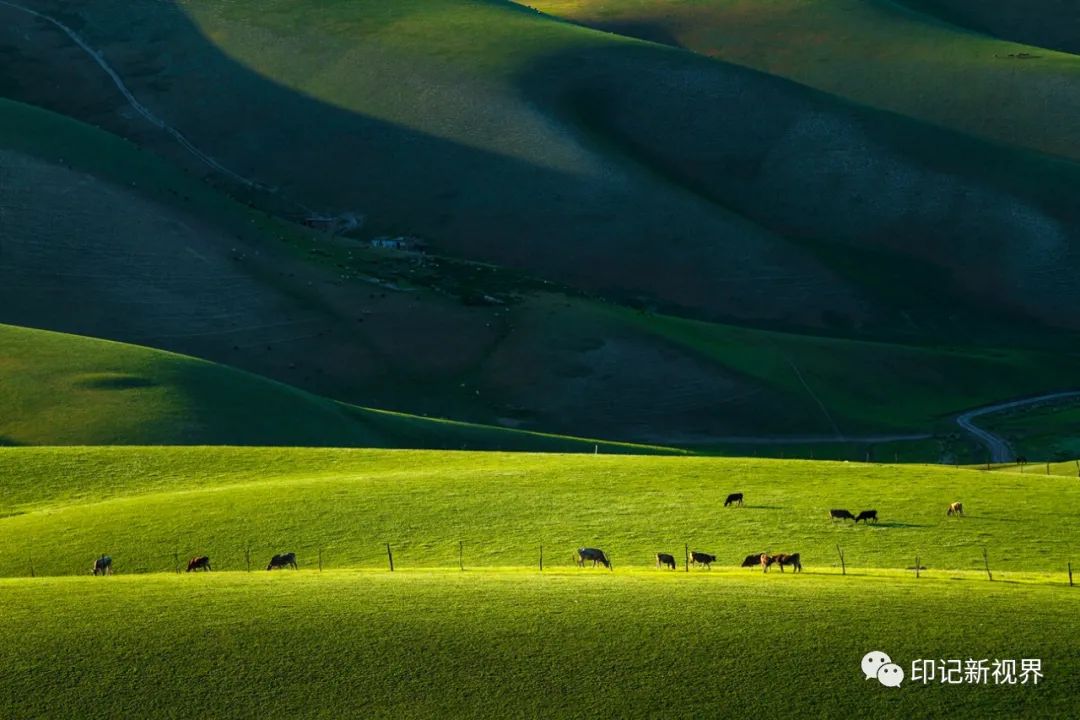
point(936, 72)
point(582, 645)
point(614, 165)
point(61, 389)
point(143, 505)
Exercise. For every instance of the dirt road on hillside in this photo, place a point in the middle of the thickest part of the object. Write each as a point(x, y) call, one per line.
point(998, 447)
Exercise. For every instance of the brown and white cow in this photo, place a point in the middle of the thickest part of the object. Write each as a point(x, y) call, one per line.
point(781, 559)
point(956, 508)
point(202, 562)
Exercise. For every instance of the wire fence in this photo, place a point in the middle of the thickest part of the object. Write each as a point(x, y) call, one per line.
point(391, 557)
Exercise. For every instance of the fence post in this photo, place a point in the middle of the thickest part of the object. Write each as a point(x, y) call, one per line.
point(986, 562)
point(916, 567)
point(176, 561)
point(461, 555)
point(247, 558)
point(541, 557)
point(320, 559)
point(390, 555)
point(33, 572)
point(1070, 575)
point(843, 566)
point(686, 564)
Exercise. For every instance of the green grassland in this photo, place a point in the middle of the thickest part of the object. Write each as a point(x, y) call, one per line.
point(1050, 433)
point(452, 644)
point(616, 166)
point(544, 359)
point(1043, 23)
point(63, 389)
point(936, 72)
point(115, 242)
point(143, 505)
point(501, 639)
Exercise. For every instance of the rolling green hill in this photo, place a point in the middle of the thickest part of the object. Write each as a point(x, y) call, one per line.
point(142, 505)
point(59, 389)
point(501, 639)
point(70, 390)
point(602, 162)
point(1044, 23)
point(1002, 90)
point(104, 239)
point(581, 645)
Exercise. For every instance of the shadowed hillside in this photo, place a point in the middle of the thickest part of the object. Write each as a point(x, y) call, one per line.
point(488, 147)
point(1044, 23)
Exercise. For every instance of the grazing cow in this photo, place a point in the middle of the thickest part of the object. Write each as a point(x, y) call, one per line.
point(202, 562)
point(866, 516)
point(781, 559)
point(665, 560)
point(956, 508)
point(704, 559)
point(752, 560)
point(102, 566)
point(597, 556)
point(793, 560)
point(840, 515)
point(283, 561)
point(734, 499)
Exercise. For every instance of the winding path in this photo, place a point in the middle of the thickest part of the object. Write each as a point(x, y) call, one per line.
point(998, 447)
point(138, 107)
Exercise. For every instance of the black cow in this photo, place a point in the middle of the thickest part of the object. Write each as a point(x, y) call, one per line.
point(663, 559)
point(102, 566)
point(866, 516)
point(700, 558)
point(752, 560)
point(202, 562)
point(283, 561)
point(597, 556)
point(841, 515)
point(734, 498)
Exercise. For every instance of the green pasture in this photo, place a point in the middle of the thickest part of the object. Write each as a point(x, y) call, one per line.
point(1043, 433)
point(940, 73)
point(150, 507)
point(61, 389)
point(408, 112)
point(577, 644)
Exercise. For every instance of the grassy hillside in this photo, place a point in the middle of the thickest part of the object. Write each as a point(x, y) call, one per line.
point(144, 505)
point(67, 390)
point(1051, 433)
point(614, 166)
point(582, 645)
point(104, 239)
point(1044, 23)
point(939, 73)
point(501, 639)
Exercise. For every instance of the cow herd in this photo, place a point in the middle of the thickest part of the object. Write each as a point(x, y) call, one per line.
point(104, 564)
